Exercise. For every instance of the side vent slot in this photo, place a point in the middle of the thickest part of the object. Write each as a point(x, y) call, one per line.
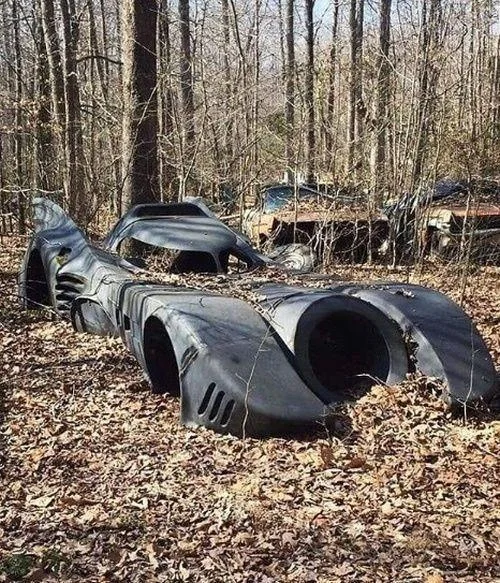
point(216, 406)
point(226, 414)
point(206, 399)
point(68, 287)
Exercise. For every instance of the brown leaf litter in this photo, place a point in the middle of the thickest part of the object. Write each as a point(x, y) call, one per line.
point(100, 482)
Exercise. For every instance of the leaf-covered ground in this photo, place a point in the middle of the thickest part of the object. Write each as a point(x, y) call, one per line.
point(100, 482)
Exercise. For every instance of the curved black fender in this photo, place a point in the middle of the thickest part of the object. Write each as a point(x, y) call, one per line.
point(223, 359)
point(417, 329)
point(442, 339)
point(338, 341)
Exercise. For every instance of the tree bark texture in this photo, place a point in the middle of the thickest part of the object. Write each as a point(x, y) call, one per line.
point(140, 113)
point(290, 91)
point(378, 156)
point(309, 94)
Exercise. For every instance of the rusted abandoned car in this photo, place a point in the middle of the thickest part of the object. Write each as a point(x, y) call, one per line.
point(452, 220)
point(275, 360)
point(335, 226)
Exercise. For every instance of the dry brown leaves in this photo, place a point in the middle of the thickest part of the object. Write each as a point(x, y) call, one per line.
point(325, 208)
point(101, 483)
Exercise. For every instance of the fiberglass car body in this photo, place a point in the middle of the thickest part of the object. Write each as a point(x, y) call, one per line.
point(278, 364)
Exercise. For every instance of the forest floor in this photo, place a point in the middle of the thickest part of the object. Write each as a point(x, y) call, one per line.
point(100, 482)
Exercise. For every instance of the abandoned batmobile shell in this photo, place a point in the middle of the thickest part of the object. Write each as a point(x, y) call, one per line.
point(249, 370)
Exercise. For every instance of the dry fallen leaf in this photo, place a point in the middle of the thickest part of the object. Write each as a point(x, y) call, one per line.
point(41, 501)
point(356, 463)
point(99, 479)
point(326, 456)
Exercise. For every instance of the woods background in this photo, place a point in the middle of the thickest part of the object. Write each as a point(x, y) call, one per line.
point(118, 101)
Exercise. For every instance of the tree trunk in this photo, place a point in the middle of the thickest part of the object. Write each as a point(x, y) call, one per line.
point(329, 135)
point(140, 115)
point(73, 139)
point(256, 79)
point(44, 170)
point(290, 93)
point(228, 127)
point(54, 59)
point(380, 121)
point(282, 42)
point(309, 94)
point(356, 106)
point(104, 39)
point(18, 122)
point(495, 101)
point(187, 98)
point(428, 79)
point(166, 156)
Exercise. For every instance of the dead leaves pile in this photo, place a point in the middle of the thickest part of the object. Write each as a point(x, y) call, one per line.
point(101, 483)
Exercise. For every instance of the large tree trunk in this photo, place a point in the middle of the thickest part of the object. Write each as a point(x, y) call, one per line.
point(428, 79)
point(54, 56)
point(228, 127)
point(256, 79)
point(140, 115)
point(44, 164)
point(18, 121)
point(166, 159)
point(54, 59)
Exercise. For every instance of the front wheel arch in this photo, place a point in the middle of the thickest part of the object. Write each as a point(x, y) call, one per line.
point(36, 291)
point(159, 358)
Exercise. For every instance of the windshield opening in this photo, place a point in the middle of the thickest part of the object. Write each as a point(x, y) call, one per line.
point(167, 260)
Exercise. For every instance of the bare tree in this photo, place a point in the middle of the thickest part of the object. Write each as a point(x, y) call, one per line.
point(428, 75)
point(187, 95)
point(44, 169)
point(228, 127)
point(140, 115)
point(379, 124)
point(73, 140)
point(18, 142)
point(256, 79)
point(309, 93)
point(356, 104)
point(290, 91)
point(332, 74)
point(165, 103)
point(55, 60)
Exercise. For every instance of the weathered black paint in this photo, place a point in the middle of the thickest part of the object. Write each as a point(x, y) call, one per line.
point(238, 370)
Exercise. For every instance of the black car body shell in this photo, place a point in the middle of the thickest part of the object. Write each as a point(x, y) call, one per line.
point(250, 370)
point(186, 227)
